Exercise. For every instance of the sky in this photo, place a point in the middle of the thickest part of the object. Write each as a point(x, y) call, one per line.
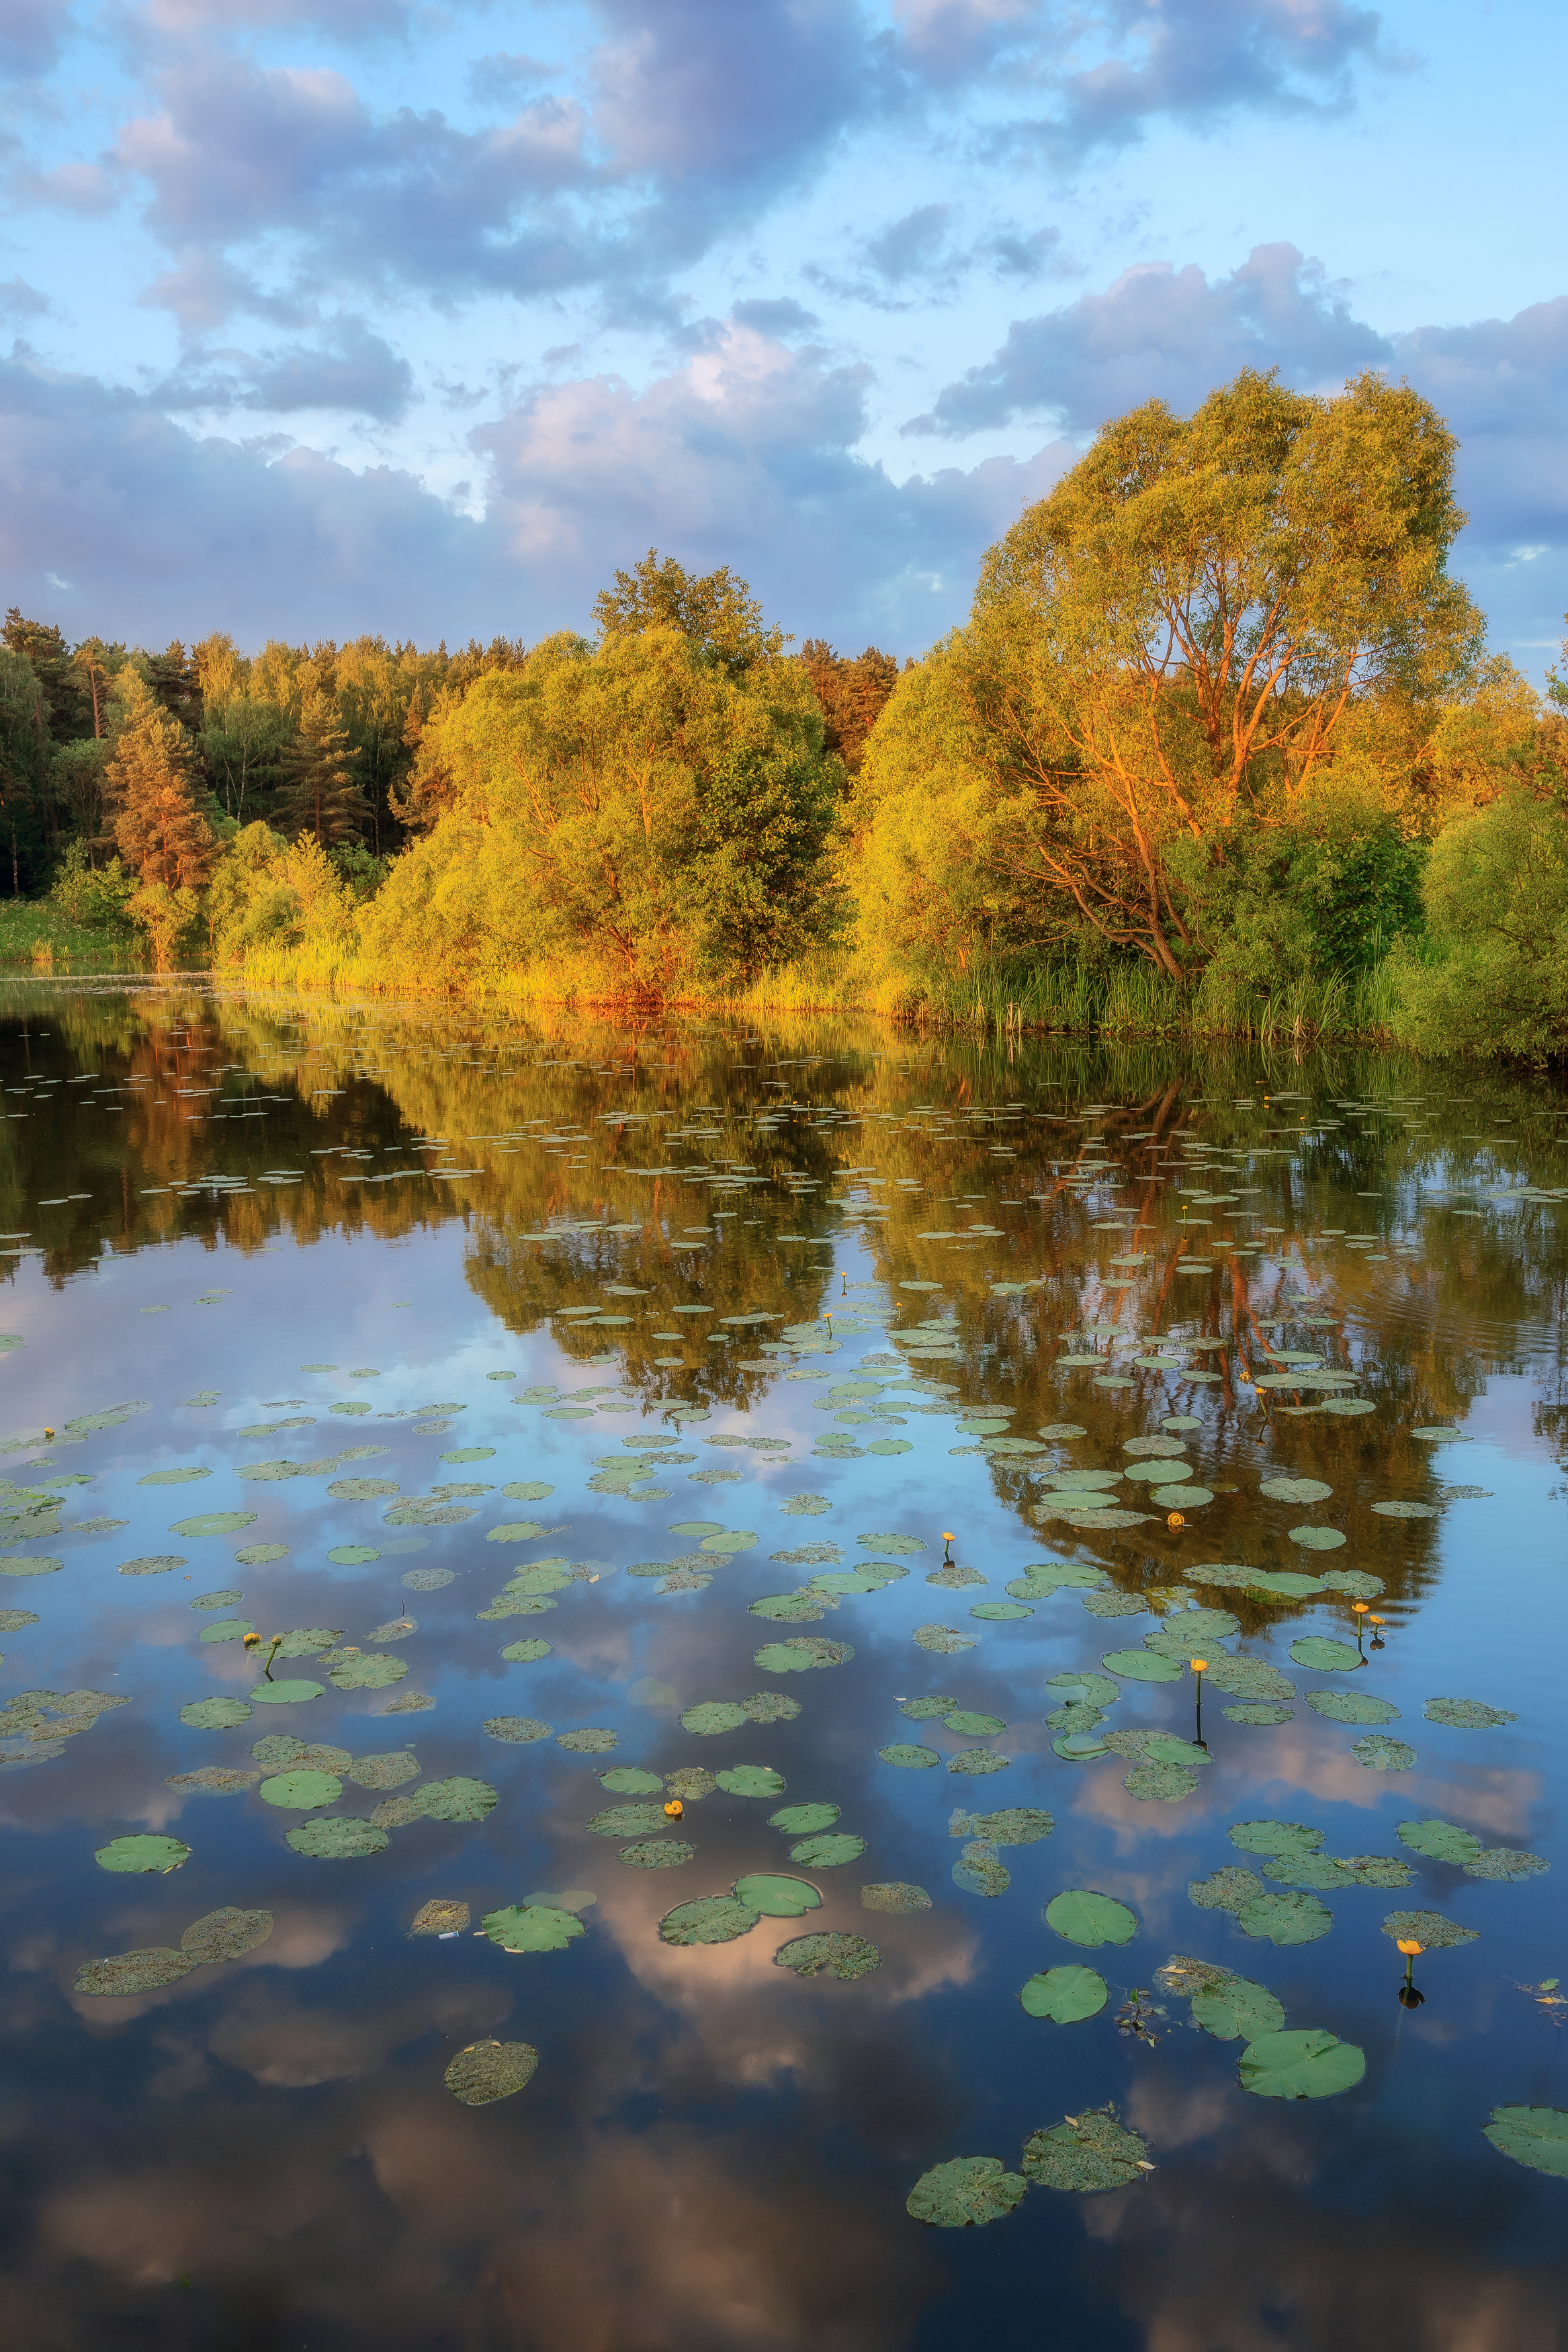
point(328, 317)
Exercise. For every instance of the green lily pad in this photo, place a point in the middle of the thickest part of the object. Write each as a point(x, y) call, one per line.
point(1318, 1538)
point(1535, 2137)
point(1000, 1612)
point(1228, 1888)
point(298, 1791)
point(261, 1555)
point(532, 1927)
point(711, 1919)
point(1381, 1754)
point(215, 1600)
point(657, 1853)
point(771, 1706)
point(1427, 1928)
point(712, 1716)
point(215, 1714)
point(389, 1771)
point(1274, 1837)
point(1247, 1712)
point(980, 1869)
point(1295, 1490)
point(801, 1820)
point(487, 2071)
point(214, 1523)
point(1081, 1917)
point(1093, 2153)
point(1160, 1781)
point(1307, 2062)
point(125, 1973)
point(1250, 1678)
point(34, 1564)
point(225, 1935)
point(171, 1478)
point(627, 1781)
point(1142, 1665)
point(626, 1820)
point(330, 1839)
point(286, 1694)
point(1065, 1995)
point(1439, 1840)
point(226, 1628)
point(212, 1780)
point(1295, 1919)
point(964, 2193)
point(374, 1670)
point(1397, 1510)
point(457, 1800)
point(308, 1640)
point(144, 1853)
point(525, 1654)
point(912, 1759)
point(1467, 1714)
point(972, 1726)
point(1239, 2011)
point(1282, 1583)
point(1507, 1863)
point(942, 1640)
point(828, 1853)
point(751, 1781)
point(775, 1896)
point(1352, 1706)
point(833, 1954)
point(1326, 1657)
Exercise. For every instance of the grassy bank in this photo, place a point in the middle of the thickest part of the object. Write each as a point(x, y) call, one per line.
point(36, 937)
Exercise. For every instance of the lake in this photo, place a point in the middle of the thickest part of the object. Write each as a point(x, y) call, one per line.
point(848, 1439)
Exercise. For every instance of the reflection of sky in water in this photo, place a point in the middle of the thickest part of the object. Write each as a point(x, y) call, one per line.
point(714, 2153)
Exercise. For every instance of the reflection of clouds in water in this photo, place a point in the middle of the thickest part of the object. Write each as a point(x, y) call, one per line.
point(1288, 2272)
point(265, 2034)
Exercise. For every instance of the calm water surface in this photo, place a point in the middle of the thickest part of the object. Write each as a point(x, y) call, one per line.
point(738, 1311)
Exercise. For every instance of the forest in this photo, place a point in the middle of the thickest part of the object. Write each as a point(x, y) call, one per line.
point(1219, 750)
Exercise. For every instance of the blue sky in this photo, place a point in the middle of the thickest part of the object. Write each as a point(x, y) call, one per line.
point(358, 315)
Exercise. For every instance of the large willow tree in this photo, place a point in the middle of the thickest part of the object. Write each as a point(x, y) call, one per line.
point(1171, 648)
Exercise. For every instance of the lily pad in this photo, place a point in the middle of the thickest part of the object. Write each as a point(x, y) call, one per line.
point(225, 1935)
point(518, 1730)
point(751, 1781)
point(657, 1853)
point(299, 1791)
point(144, 1853)
point(1092, 2152)
point(1381, 1754)
point(457, 1800)
point(125, 1973)
point(828, 1853)
point(1294, 1918)
point(1427, 1928)
point(1535, 2137)
point(214, 1523)
point(712, 1716)
point(1013, 1825)
point(594, 1739)
point(964, 2193)
point(1352, 1706)
point(526, 1652)
point(627, 1781)
point(1260, 1714)
point(389, 1771)
point(153, 1564)
point(626, 1820)
point(1065, 1995)
point(226, 1628)
point(1318, 1538)
point(487, 2071)
point(1467, 1714)
point(1507, 1863)
point(1306, 2063)
point(711, 1919)
point(803, 1651)
point(1160, 1780)
point(332, 1839)
point(801, 1820)
point(775, 1896)
point(1225, 1889)
point(911, 1760)
point(439, 1918)
point(215, 1714)
point(1081, 1917)
point(1239, 2011)
point(212, 1780)
point(895, 1895)
point(1295, 1490)
point(286, 1694)
point(943, 1640)
point(532, 1927)
point(1326, 1657)
point(690, 1784)
point(833, 1954)
point(980, 1871)
point(1439, 1841)
point(1142, 1665)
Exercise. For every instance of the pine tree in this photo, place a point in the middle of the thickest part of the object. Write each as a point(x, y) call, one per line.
point(159, 827)
point(318, 795)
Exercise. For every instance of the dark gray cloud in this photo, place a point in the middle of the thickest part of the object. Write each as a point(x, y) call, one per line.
point(31, 34)
point(1167, 331)
point(782, 316)
point(347, 367)
point(20, 301)
point(912, 246)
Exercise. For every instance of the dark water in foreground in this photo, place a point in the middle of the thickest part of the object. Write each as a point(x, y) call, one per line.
point(715, 2152)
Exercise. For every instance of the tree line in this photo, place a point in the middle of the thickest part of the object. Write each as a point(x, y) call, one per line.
point(1221, 715)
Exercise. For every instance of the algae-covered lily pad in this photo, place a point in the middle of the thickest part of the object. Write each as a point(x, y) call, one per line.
point(225, 1935)
point(171, 1478)
point(439, 1918)
point(532, 1927)
point(1014, 1825)
point(626, 1820)
point(912, 1759)
point(804, 1651)
point(980, 1869)
point(457, 1800)
point(751, 1781)
point(1325, 1657)
point(132, 1973)
point(285, 1694)
point(1507, 1863)
point(964, 2193)
point(895, 1895)
point(518, 1730)
point(133, 1853)
point(1225, 1889)
point(1160, 1780)
point(657, 1853)
point(215, 1714)
point(828, 1955)
point(1467, 1714)
point(777, 1896)
point(1082, 1918)
point(1427, 1928)
point(487, 2071)
point(594, 1739)
point(1352, 1706)
point(1260, 1712)
point(978, 1762)
point(299, 1791)
point(389, 1771)
point(212, 1780)
point(1274, 1837)
point(332, 1839)
point(1398, 1511)
point(829, 1852)
point(711, 1919)
point(943, 1640)
point(375, 1669)
point(1091, 2152)
point(1237, 2011)
point(1536, 2137)
point(154, 1563)
point(973, 1725)
point(1306, 2063)
point(1294, 1918)
point(1066, 1994)
point(802, 1821)
point(1381, 1754)
point(690, 1784)
point(771, 1706)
